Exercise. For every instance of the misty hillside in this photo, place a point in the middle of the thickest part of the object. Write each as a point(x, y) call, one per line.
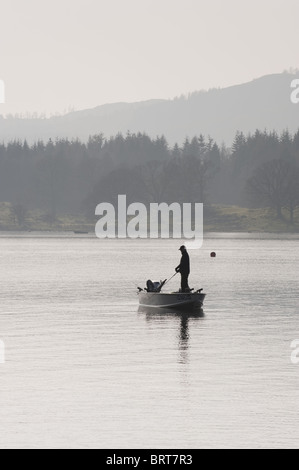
point(263, 103)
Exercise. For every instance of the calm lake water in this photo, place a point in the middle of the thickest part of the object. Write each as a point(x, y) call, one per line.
point(85, 369)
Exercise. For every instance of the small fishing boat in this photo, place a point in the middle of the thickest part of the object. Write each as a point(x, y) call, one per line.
point(152, 297)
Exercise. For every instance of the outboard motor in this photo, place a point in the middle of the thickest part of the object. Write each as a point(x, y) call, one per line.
point(150, 286)
point(153, 286)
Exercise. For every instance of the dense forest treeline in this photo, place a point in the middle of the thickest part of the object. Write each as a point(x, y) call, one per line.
point(71, 176)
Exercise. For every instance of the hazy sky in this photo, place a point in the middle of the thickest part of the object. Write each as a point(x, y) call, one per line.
point(83, 53)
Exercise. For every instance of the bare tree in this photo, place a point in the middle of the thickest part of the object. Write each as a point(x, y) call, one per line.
point(276, 183)
point(292, 192)
point(19, 213)
point(193, 178)
point(157, 180)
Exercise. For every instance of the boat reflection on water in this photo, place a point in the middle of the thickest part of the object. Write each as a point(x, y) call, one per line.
point(184, 318)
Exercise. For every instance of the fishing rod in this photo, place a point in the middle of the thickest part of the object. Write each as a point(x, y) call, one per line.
point(170, 279)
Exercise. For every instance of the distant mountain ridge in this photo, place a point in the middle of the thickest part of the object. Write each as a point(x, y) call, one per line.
point(263, 103)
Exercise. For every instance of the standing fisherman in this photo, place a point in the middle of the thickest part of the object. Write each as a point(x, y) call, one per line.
point(184, 269)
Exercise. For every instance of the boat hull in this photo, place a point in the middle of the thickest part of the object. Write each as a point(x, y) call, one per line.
point(176, 301)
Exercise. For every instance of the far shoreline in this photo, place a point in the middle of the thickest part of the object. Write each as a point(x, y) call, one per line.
point(92, 235)
point(217, 219)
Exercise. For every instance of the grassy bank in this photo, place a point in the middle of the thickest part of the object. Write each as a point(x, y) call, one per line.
point(217, 218)
point(238, 219)
point(37, 220)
